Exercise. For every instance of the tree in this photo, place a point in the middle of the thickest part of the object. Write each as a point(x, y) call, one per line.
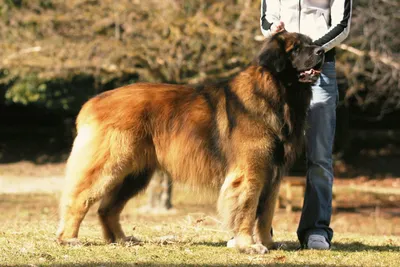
point(370, 59)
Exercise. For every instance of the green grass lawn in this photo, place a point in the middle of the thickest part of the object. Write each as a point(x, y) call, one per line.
point(190, 237)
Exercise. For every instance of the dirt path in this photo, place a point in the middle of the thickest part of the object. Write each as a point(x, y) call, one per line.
point(17, 184)
point(27, 177)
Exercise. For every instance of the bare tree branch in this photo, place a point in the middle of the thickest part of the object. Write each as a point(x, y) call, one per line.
point(374, 55)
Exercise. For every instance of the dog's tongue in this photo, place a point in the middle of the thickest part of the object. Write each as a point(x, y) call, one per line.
point(310, 75)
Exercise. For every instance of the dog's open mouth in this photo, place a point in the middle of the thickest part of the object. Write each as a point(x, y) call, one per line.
point(311, 75)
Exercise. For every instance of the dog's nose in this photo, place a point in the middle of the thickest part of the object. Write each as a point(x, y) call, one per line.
point(319, 51)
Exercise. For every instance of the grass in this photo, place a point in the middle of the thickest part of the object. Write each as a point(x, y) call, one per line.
point(190, 237)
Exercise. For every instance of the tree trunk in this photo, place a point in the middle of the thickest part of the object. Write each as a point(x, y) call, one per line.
point(160, 192)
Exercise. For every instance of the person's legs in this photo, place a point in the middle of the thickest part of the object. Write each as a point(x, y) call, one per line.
point(317, 207)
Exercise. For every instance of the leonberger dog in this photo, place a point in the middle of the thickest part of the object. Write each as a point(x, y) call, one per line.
point(241, 135)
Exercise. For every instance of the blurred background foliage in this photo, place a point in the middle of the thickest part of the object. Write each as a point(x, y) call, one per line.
point(49, 47)
point(54, 55)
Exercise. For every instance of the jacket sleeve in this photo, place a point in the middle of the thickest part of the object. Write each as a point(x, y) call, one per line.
point(341, 11)
point(270, 10)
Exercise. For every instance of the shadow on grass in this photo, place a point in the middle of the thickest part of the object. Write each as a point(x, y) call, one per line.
point(357, 246)
point(106, 264)
point(284, 245)
point(292, 246)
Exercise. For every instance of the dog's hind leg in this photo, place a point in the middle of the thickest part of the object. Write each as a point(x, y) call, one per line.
point(93, 169)
point(75, 202)
point(113, 203)
point(237, 204)
point(78, 198)
point(266, 209)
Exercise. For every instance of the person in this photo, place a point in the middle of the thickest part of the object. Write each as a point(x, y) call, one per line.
point(327, 22)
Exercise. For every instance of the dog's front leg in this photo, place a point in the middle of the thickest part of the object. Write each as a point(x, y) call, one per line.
point(266, 208)
point(237, 204)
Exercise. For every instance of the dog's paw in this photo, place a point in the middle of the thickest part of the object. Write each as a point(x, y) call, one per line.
point(69, 242)
point(254, 249)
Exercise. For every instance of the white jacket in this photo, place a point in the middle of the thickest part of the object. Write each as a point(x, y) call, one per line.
point(327, 22)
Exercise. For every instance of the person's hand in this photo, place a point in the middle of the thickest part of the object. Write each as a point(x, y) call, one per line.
point(277, 27)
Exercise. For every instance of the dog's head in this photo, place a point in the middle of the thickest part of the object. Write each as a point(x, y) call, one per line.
point(292, 52)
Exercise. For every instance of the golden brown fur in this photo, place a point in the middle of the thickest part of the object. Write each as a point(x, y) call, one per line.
point(242, 135)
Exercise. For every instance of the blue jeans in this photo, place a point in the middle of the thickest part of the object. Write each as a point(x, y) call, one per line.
point(317, 206)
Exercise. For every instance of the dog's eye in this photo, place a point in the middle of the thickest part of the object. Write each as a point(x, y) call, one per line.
point(295, 49)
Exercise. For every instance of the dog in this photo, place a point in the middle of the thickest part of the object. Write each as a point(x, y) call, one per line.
point(241, 135)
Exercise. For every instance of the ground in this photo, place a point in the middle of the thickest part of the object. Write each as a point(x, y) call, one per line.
point(367, 231)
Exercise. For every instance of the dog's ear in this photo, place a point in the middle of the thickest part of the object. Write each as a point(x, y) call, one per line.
point(273, 55)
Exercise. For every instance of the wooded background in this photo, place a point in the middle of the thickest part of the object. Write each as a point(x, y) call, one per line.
point(54, 55)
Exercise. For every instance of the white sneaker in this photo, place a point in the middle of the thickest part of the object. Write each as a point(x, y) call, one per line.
point(317, 242)
point(231, 243)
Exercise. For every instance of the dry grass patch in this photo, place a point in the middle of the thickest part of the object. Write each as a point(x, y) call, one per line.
point(190, 237)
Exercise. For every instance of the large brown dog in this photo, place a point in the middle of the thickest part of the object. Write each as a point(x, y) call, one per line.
point(243, 134)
